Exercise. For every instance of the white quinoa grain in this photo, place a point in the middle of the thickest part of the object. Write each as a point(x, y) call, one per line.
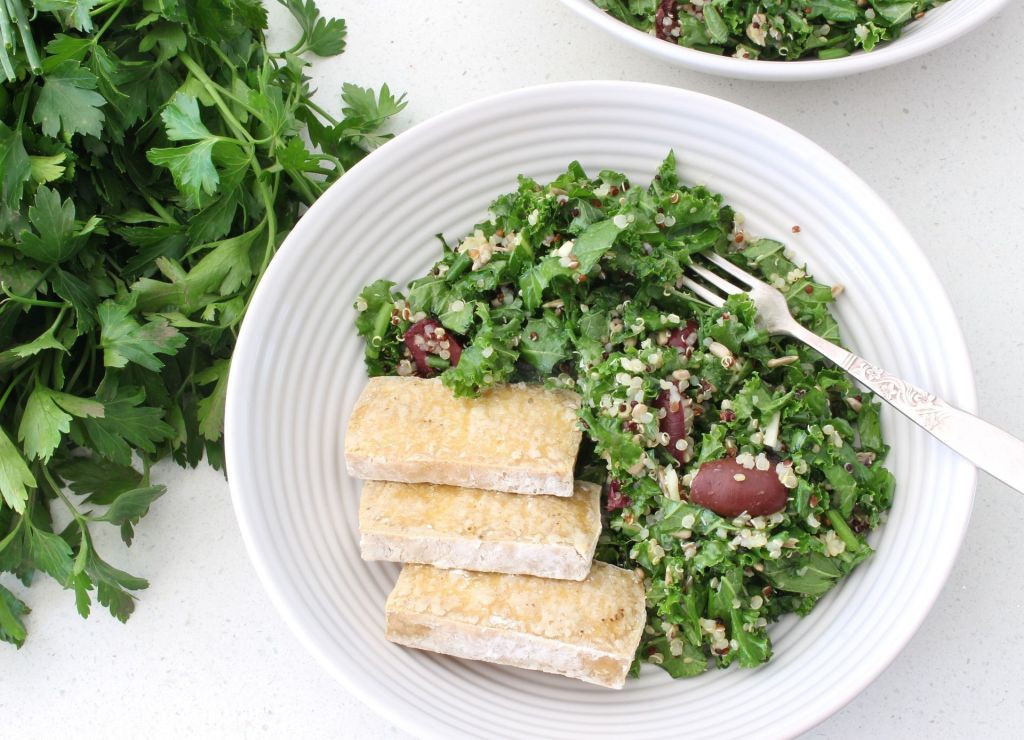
point(719, 350)
point(779, 361)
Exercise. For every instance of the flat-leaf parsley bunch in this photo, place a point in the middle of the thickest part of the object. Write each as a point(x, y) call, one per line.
point(152, 160)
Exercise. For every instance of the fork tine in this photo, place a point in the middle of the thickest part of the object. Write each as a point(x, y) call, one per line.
point(713, 298)
point(720, 283)
point(732, 269)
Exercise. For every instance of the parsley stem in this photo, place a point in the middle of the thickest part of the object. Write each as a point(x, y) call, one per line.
point(212, 88)
point(333, 160)
point(5, 30)
point(48, 476)
point(7, 36)
point(215, 48)
point(81, 363)
point(313, 106)
point(24, 109)
point(25, 30)
point(227, 92)
point(303, 184)
point(101, 9)
point(14, 383)
point(160, 210)
point(10, 535)
point(241, 134)
point(31, 301)
point(113, 16)
point(5, 62)
point(268, 203)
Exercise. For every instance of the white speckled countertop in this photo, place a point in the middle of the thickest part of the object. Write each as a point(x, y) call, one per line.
point(940, 138)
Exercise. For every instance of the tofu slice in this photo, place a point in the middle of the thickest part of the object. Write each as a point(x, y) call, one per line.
point(515, 438)
point(452, 527)
point(586, 629)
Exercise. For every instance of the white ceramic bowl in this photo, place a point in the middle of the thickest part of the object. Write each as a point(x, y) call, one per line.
point(939, 26)
point(298, 370)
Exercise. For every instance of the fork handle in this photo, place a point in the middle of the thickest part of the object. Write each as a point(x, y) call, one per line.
point(996, 452)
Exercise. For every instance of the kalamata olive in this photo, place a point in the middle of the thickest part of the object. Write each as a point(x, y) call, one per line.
point(665, 20)
point(428, 337)
point(616, 499)
point(677, 423)
point(729, 489)
point(684, 339)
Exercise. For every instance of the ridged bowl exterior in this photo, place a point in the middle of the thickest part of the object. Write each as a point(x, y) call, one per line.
point(298, 370)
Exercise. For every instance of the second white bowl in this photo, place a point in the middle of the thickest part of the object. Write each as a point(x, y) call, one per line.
point(940, 26)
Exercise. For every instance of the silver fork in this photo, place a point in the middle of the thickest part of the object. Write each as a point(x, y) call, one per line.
point(990, 448)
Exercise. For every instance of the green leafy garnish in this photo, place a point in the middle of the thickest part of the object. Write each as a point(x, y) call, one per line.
point(153, 156)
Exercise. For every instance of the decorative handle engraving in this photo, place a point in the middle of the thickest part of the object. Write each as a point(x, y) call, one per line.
point(929, 410)
point(990, 448)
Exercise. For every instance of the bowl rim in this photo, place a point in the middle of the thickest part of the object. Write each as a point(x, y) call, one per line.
point(777, 71)
point(290, 252)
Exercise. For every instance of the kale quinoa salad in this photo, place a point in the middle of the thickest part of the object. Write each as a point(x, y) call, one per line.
point(771, 30)
point(575, 283)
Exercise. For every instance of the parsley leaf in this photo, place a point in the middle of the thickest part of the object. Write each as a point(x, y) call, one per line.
point(69, 102)
point(321, 36)
point(43, 424)
point(15, 170)
point(50, 553)
point(55, 238)
point(75, 12)
point(47, 169)
point(12, 609)
point(211, 408)
point(131, 505)
point(126, 340)
point(191, 167)
point(47, 418)
point(125, 424)
point(102, 480)
point(181, 119)
point(15, 477)
point(367, 110)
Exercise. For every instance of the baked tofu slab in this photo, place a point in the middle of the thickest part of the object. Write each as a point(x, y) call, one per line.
point(514, 438)
point(586, 629)
point(453, 527)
